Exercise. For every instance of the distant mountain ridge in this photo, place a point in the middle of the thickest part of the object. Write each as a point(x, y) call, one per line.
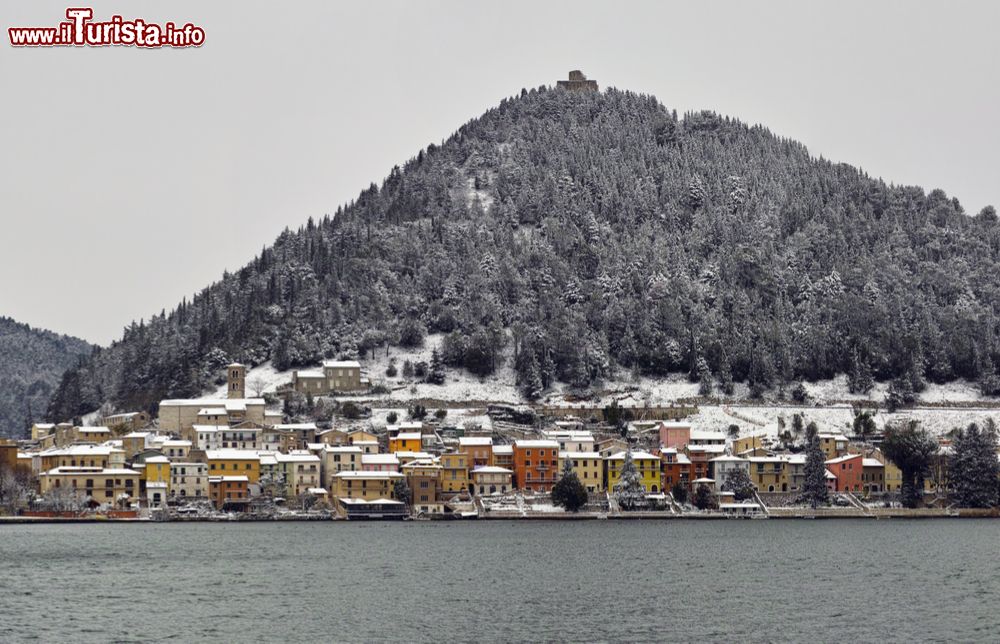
point(598, 232)
point(32, 362)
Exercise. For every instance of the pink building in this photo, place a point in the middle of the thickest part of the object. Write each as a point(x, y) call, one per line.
point(674, 434)
point(379, 463)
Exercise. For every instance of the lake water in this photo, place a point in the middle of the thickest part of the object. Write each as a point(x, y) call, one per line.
point(503, 581)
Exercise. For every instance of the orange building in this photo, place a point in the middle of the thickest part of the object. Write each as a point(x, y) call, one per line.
point(849, 470)
point(230, 492)
point(478, 448)
point(536, 465)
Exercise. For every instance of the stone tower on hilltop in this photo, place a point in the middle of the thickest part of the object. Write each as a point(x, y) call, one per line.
point(236, 374)
point(578, 82)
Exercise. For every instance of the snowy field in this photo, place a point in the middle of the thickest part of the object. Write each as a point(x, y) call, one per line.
point(953, 405)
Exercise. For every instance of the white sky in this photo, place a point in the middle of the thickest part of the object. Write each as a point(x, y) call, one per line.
point(131, 178)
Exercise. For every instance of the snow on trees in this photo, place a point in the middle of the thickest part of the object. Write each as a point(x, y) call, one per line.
point(629, 491)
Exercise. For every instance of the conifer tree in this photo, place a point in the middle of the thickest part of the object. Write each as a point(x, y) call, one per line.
point(814, 486)
point(911, 449)
point(568, 491)
point(973, 469)
point(629, 492)
point(739, 483)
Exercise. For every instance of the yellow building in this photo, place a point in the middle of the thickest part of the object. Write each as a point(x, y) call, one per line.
point(158, 470)
point(455, 476)
point(646, 464)
point(406, 442)
point(234, 462)
point(833, 445)
point(589, 468)
point(360, 435)
point(368, 486)
point(750, 443)
point(769, 473)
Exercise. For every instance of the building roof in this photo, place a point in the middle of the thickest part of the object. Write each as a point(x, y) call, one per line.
point(706, 435)
point(636, 455)
point(232, 455)
point(844, 458)
point(475, 441)
point(296, 426)
point(212, 411)
point(79, 450)
point(579, 455)
point(491, 469)
point(67, 470)
point(95, 430)
point(209, 402)
point(536, 443)
point(310, 373)
point(297, 457)
point(157, 459)
point(409, 436)
point(872, 462)
point(350, 501)
point(728, 459)
point(500, 450)
point(360, 474)
point(342, 364)
point(341, 449)
point(379, 459)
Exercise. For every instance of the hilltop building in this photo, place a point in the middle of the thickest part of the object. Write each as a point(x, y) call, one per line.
point(578, 83)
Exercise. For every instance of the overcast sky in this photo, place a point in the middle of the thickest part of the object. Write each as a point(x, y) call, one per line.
point(131, 178)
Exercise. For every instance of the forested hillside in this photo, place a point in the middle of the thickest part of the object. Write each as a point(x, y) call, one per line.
point(595, 233)
point(31, 364)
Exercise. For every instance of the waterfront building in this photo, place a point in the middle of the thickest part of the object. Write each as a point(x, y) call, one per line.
point(478, 448)
point(588, 466)
point(536, 464)
point(234, 462)
point(490, 479)
point(646, 464)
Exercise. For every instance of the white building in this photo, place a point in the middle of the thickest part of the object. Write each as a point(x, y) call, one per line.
point(188, 480)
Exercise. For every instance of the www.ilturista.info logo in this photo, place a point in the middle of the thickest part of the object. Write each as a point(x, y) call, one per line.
point(81, 31)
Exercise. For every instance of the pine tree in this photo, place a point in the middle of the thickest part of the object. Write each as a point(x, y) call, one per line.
point(911, 449)
point(435, 375)
point(703, 497)
point(704, 377)
point(859, 380)
point(814, 488)
point(629, 492)
point(533, 384)
point(568, 491)
point(973, 469)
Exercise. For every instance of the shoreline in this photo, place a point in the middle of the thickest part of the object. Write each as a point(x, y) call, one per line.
point(794, 515)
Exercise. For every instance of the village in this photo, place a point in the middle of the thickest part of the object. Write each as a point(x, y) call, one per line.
point(241, 458)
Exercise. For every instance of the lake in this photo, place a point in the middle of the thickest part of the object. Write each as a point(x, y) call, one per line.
point(503, 581)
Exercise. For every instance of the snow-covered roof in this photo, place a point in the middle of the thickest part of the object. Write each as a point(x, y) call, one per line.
point(411, 454)
point(342, 449)
point(209, 402)
point(136, 435)
point(176, 442)
point(367, 475)
point(311, 373)
point(872, 462)
point(491, 469)
point(209, 428)
point(727, 459)
point(706, 435)
point(342, 364)
point(232, 455)
point(844, 458)
point(409, 436)
point(501, 450)
point(79, 450)
point(675, 424)
point(636, 455)
point(475, 441)
point(67, 470)
point(379, 459)
point(212, 411)
point(94, 430)
point(297, 457)
point(350, 501)
point(157, 460)
point(707, 449)
point(318, 491)
point(536, 443)
point(296, 426)
point(579, 455)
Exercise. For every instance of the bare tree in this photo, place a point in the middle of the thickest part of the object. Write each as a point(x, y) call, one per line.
point(257, 385)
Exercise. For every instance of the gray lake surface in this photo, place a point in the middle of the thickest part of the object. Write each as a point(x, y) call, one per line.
point(863, 580)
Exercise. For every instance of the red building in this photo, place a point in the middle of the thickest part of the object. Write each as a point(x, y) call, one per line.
point(229, 492)
point(536, 465)
point(675, 467)
point(849, 470)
